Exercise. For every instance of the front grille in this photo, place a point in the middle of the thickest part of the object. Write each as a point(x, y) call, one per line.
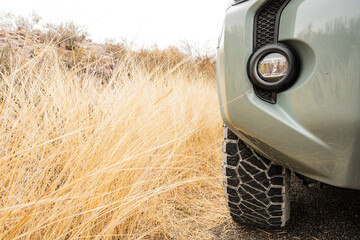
point(266, 32)
point(266, 23)
point(266, 95)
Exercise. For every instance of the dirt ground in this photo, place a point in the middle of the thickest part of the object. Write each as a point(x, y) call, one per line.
point(327, 213)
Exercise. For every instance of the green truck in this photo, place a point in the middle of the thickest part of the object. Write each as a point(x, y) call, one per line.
point(288, 75)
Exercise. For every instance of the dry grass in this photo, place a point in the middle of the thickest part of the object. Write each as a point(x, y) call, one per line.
point(138, 157)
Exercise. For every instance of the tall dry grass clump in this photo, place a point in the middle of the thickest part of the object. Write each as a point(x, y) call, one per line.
point(137, 156)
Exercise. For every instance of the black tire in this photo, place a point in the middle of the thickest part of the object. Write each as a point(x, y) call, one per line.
point(256, 189)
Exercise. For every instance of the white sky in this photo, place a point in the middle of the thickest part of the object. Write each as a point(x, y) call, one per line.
point(145, 22)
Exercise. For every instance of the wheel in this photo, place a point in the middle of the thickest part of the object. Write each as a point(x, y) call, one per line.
point(256, 189)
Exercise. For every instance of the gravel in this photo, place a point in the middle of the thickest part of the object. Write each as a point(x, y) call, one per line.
point(327, 213)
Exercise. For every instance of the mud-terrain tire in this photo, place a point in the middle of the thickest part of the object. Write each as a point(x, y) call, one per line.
point(256, 189)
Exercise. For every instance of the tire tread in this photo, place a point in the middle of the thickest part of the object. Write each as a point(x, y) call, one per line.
point(256, 188)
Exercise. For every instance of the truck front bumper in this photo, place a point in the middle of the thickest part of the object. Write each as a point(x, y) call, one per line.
point(314, 127)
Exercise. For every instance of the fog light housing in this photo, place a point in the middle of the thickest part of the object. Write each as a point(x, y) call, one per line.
point(274, 67)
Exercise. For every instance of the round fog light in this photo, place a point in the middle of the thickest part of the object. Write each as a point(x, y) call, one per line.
point(273, 67)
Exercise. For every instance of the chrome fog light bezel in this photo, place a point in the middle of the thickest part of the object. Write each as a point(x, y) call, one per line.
point(287, 79)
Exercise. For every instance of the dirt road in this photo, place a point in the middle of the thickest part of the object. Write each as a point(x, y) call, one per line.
point(328, 213)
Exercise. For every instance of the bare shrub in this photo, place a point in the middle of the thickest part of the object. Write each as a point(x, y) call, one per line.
point(13, 22)
point(68, 34)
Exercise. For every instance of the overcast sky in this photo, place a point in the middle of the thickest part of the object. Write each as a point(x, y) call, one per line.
point(146, 22)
